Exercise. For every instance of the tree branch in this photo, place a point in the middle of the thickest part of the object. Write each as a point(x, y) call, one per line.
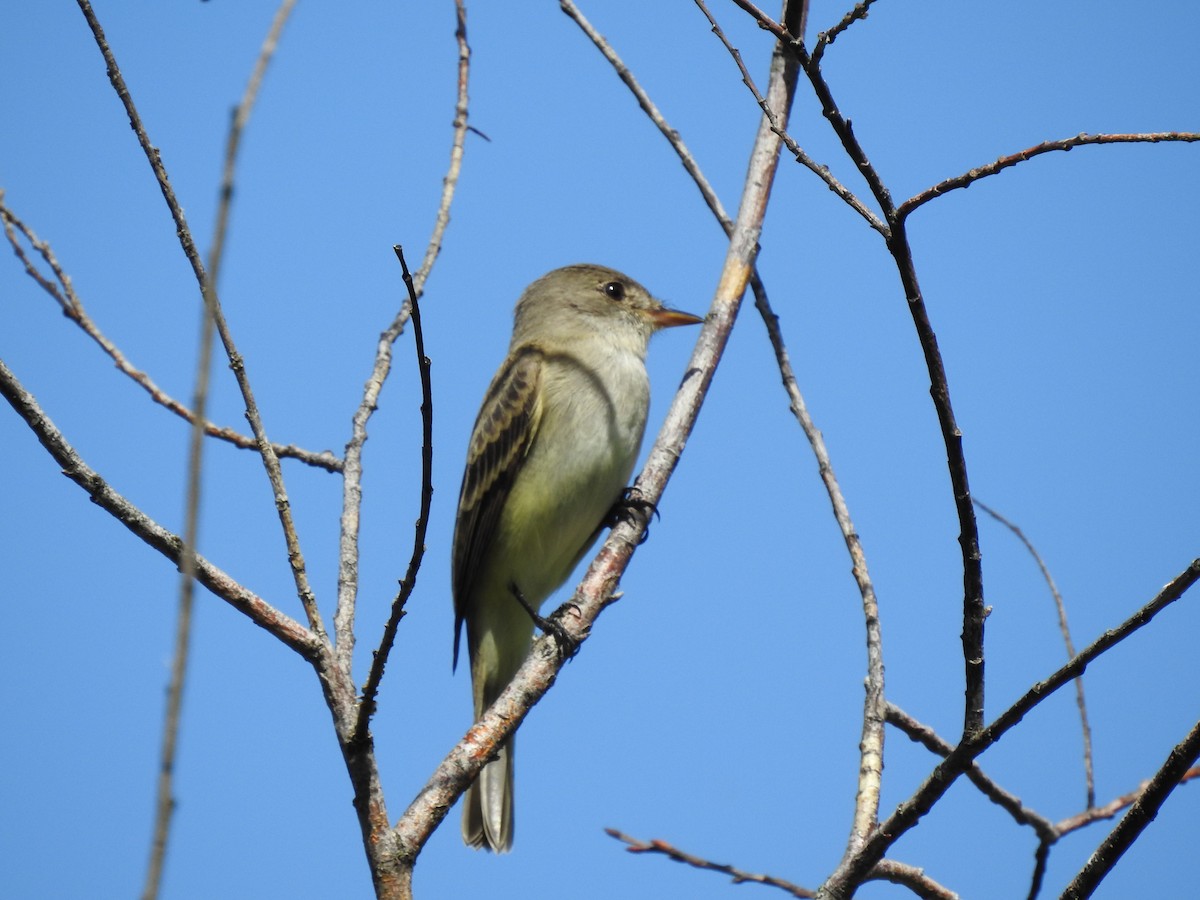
point(1064, 629)
point(63, 291)
point(736, 875)
point(165, 802)
point(267, 617)
point(236, 363)
point(347, 589)
point(1005, 162)
point(1140, 814)
point(825, 38)
point(852, 871)
point(366, 705)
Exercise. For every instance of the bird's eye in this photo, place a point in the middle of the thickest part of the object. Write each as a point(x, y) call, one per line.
point(615, 290)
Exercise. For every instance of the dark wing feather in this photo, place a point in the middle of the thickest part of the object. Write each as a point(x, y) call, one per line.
point(503, 433)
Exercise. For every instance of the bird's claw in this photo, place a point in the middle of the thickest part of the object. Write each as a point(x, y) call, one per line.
point(634, 508)
point(566, 645)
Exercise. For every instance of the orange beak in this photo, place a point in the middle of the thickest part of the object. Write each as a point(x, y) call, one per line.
point(669, 318)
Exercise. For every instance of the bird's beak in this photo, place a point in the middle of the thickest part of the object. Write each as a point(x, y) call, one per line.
point(669, 318)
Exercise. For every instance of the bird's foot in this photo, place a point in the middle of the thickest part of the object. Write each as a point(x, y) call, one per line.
point(633, 507)
point(566, 645)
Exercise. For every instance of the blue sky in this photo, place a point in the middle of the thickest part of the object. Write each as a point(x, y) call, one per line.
point(717, 706)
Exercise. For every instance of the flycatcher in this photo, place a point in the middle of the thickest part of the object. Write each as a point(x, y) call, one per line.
point(551, 453)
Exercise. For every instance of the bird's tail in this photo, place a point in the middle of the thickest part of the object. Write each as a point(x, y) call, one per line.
point(488, 811)
point(488, 806)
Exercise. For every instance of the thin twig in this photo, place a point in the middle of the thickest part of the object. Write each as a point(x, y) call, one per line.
point(1064, 629)
point(366, 706)
point(1114, 806)
point(738, 876)
point(1004, 162)
point(599, 584)
point(1140, 814)
point(347, 589)
point(911, 877)
point(974, 610)
point(63, 292)
point(825, 38)
point(802, 157)
point(932, 741)
point(267, 617)
point(450, 181)
point(852, 871)
point(165, 802)
point(236, 363)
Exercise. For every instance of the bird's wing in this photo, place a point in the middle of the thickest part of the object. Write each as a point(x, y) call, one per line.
point(503, 433)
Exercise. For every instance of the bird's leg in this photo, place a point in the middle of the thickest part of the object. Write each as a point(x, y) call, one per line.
point(634, 508)
point(567, 645)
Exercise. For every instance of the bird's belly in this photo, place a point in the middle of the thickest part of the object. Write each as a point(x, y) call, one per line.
point(554, 512)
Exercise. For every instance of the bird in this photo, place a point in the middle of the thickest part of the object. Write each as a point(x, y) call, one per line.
point(549, 457)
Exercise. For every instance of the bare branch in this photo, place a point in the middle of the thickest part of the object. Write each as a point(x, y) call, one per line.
point(1140, 814)
point(1109, 810)
point(825, 38)
point(63, 291)
point(1005, 162)
point(1012, 804)
point(974, 611)
point(347, 589)
point(852, 871)
point(267, 617)
point(912, 878)
point(450, 182)
point(738, 876)
point(821, 171)
point(236, 363)
point(1080, 702)
point(888, 870)
point(366, 706)
point(165, 803)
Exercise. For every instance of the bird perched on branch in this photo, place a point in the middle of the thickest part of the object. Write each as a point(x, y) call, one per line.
point(550, 455)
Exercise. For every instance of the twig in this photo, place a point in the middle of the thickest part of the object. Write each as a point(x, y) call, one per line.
point(165, 803)
point(267, 617)
point(1064, 629)
point(1111, 808)
point(347, 589)
point(599, 585)
point(72, 306)
point(450, 181)
point(1140, 814)
point(888, 870)
point(1004, 162)
point(366, 706)
point(1010, 803)
point(974, 611)
point(236, 363)
point(802, 157)
point(912, 878)
point(738, 876)
point(825, 38)
point(852, 871)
